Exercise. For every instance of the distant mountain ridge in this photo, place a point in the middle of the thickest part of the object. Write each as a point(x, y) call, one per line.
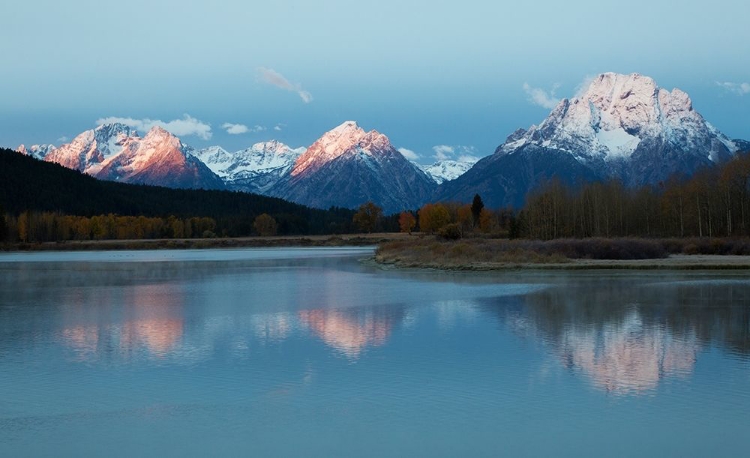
point(344, 168)
point(447, 170)
point(256, 169)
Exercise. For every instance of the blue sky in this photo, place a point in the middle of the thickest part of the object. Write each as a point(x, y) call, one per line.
point(425, 73)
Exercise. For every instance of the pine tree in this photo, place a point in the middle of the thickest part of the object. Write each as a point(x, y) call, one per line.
point(3, 226)
point(476, 208)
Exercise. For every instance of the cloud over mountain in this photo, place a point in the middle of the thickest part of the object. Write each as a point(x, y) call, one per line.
point(181, 127)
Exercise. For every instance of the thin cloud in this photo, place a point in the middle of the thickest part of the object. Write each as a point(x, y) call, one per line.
point(409, 154)
point(584, 85)
point(235, 129)
point(449, 152)
point(467, 158)
point(63, 139)
point(275, 78)
point(278, 127)
point(542, 98)
point(737, 88)
point(180, 127)
point(443, 152)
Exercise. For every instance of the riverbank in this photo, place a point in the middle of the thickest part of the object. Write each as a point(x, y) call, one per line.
point(191, 244)
point(491, 254)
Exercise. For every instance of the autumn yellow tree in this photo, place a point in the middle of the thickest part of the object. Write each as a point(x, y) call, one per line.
point(265, 225)
point(406, 221)
point(432, 217)
point(465, 218)
point(23, 226)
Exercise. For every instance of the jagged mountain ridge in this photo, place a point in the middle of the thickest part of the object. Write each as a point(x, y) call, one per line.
point(348, 166)
point(36, 151)
point(621, 126)
point(116, 152)
point(256, 169)
point(447, 170)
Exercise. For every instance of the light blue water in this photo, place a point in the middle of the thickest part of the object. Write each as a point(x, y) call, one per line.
point(308, 352)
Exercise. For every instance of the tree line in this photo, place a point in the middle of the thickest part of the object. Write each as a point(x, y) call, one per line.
point(47, 202)
point(714, 202)
point(54, 227)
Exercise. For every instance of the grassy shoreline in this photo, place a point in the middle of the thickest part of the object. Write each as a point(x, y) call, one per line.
point(191, 244)
point(418, 251)
point(492, 254)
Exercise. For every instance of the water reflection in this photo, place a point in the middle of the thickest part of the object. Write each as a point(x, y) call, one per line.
point(626, 356)
point(145, 317)
point(626, 339)
point(273, 327)
point(351, 331)
point(625, 334)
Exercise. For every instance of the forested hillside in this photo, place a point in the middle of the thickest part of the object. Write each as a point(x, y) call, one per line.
point(27, 184)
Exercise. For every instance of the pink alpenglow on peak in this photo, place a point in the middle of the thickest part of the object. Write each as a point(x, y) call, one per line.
point(347, 167)
point(331, 145)
point(116, 152)
point(622, 127)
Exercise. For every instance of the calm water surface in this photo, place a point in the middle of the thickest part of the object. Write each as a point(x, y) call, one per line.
point(308, 352)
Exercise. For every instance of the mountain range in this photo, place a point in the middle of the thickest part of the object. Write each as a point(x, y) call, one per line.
point(621, 126)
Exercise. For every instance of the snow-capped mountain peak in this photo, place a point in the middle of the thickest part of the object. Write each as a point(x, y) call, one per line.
point(333, 144)
point(116, 152)
point(622, 127)
point(612, 118)
point(348, 166)
point(254, 169)
point(92, 147)
point(447, 170)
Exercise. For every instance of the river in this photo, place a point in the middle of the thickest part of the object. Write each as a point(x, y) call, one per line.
point(311, 352)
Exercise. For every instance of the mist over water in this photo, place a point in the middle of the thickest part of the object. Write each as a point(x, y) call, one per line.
point(291, 352)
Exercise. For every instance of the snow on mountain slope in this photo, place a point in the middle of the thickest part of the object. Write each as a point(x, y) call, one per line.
point(331, 145)
point(36, 151)
point(115, 152)
point(347, 167)
point(447, 170)
point(92, 147)
point(159, 159)
point(619, 116)
point(256, 169)
point(621, 126)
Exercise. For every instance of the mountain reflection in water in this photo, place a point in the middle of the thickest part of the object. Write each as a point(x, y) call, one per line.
point(350, 331)
point(625, 334)
point(627, 339)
